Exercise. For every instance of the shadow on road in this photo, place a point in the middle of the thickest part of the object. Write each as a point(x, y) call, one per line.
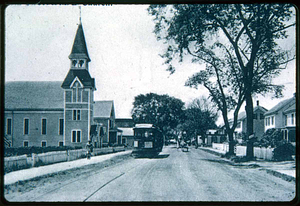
point(247, 166)
point(219, 161)
point(160, 156)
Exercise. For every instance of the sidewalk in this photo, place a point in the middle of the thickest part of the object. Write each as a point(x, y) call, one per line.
point(30, 173)
point(284, 169)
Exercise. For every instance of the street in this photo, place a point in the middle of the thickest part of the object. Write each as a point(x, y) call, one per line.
point(173, 176)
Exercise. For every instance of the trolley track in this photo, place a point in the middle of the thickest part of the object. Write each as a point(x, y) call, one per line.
point(123, 173)
point(57, 189)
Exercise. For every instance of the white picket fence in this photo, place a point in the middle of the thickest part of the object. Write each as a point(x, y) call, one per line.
point(26, 161)
point(259, 152)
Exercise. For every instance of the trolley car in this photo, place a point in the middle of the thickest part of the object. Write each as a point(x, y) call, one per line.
point(148, 140)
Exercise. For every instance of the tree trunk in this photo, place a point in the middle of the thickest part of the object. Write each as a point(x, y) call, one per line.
point(249, 129)
point(231, 143)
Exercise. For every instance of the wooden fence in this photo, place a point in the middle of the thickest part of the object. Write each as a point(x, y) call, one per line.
point(259, 152)
point(35, 160)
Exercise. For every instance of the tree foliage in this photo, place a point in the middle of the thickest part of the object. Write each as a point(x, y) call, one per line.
point(199, 117)
point(161, 110)
point(238, 43)
point(242, 36)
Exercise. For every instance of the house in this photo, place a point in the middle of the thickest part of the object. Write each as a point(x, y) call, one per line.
point(58, 113)
point(283, 116)
point(213, 135)
point(126, 125)
point(104, 114)
point(258, 122)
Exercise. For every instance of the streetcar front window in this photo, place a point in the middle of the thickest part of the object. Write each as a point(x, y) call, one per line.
point(144, 134)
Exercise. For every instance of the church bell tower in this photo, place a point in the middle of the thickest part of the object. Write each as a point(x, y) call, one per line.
point(79, 89)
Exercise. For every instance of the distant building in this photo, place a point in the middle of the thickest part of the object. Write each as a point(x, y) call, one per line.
point(283, 116)
point(127, 135)
point(124, 122)
point(258, 122)
point(104, 115)
point(213, 135)
point(59, 113)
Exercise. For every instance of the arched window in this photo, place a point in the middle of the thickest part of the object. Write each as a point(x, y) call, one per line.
point(74, 62)
point(77, 92)
point(81, 62)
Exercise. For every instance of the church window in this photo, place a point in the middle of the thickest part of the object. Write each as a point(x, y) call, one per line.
point(44, 126)
point(74, 94)
point(25, 143)
point(61, 127)
point(26, 126)
point(76, 136)
point(77, 92)
point(44, 143)
point(74, 62)
point(8, 126)
point(76, 115)
point(81, 62)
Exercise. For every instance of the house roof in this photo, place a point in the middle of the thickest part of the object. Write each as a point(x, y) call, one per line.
point(103, 109)
point(281, 105)
point(79, 49)
point(82, 74)
point(291, 108)
point(242, 115)
point(37, 95)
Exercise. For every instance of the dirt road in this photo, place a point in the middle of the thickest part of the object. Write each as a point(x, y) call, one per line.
point(173, 176)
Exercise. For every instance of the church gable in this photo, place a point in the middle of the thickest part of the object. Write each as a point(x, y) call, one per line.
point(82, 75)
point(76, 83)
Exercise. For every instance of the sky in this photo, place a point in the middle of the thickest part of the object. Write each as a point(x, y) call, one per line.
point(123, 49)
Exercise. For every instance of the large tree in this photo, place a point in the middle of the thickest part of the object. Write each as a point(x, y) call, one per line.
point(161, 110)
point(237, 42)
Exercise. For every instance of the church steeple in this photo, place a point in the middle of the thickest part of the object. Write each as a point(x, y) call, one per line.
point(79, 55)
point(79, 89)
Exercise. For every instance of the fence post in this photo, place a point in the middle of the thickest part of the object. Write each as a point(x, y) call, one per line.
point(68, 155)
point(33, 156)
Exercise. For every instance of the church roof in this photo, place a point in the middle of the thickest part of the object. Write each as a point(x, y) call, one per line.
point(82, 74)
point(79, 49)
point(33, 95)
point(103, 109)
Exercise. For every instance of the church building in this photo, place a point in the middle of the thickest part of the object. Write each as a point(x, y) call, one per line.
point(59, 113)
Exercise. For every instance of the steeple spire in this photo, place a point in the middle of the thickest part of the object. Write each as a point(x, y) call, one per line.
point(79, 14)
point(79, 55)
